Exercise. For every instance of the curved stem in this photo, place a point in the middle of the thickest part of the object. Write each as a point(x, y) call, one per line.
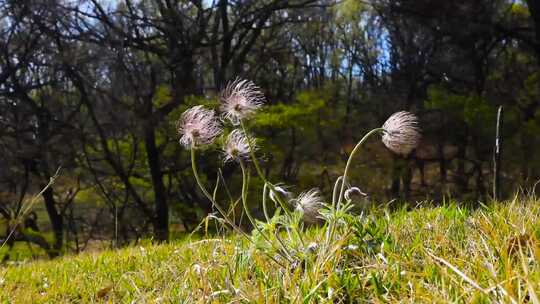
point(265, 209)
point(349, 161)
point(336, 204)
point(208, 196)
point(267, 216)
point(335, 191)
point(266, 182)
point(244, 196)
point(218, 207)
point(245, 184)
point(259, 171)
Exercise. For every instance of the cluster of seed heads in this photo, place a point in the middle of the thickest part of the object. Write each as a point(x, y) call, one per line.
point(240, 99)
point(198, 126)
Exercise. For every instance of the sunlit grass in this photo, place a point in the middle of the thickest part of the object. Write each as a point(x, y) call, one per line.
point(430, 254)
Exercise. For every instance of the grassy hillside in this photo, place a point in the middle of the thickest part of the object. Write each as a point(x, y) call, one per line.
point(428, 254)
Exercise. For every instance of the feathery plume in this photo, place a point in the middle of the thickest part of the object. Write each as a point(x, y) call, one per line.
point(401, 132)
point(309, 203)
point(237, 146)
point(240, 99)
point(198, 126)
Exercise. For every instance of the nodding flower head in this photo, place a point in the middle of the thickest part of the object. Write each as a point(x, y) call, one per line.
point(197, 127)
point(401, 133)
point(354, 194)
point(240, 99)
point(280, 191)
point(309, 203)
point(237, 146)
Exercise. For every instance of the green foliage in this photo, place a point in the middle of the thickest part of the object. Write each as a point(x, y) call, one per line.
point(473, 109)
point(423, 256)
point(349, 10)
point(298, 114)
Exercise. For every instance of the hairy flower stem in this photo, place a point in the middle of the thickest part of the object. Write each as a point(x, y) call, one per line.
point(336, 203)
point(245, 185)
point(218, 207)
point(349, 161)
point(267, 216)
point(265, 209)
point(266, 182)
point(338, 182)
point(260, 173)
point(210, 197)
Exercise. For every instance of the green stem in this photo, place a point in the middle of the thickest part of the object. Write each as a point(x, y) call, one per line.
point(245, 185)
point(265, 209)
point(335, 191)
point(272, 187)
point(349, 161)
point(336, 204)
point(208, 196)
point(218, 207)
point(259, 171)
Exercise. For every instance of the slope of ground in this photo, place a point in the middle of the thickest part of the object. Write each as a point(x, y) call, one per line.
point(428, 254)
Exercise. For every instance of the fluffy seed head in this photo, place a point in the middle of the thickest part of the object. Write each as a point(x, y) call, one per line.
point(401, 132)
point(309, 203)
point(237, 146)
point(198, 126)
point(240, 99)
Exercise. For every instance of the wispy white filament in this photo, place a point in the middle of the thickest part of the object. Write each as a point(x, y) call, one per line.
point(309, 203)
point(237, 146)
point(198, 126)
point(240, 99)
point(401, 133)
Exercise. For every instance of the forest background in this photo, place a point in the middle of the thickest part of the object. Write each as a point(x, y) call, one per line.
point(94, 88)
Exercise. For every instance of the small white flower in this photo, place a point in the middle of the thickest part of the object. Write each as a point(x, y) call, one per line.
point(198, 126)
point(240, 99)
point(401, 133)
point(309, 204)
point(237, 146)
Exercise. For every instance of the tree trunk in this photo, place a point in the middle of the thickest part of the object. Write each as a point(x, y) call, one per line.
point(534, 9)
point(161, 219)
point(56, 221)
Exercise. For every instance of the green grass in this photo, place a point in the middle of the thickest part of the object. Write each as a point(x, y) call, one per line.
point(427, 255)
